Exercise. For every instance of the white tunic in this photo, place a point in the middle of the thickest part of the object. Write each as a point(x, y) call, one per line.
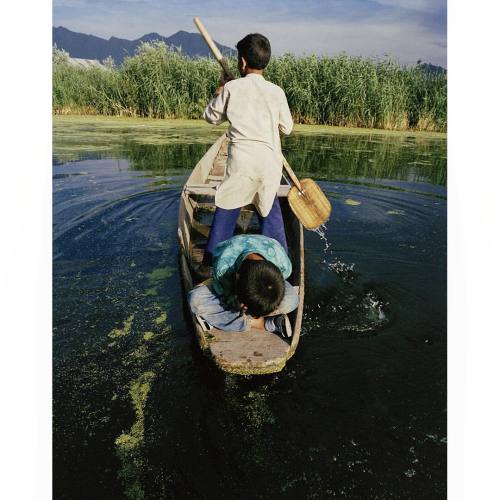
point(257, 111)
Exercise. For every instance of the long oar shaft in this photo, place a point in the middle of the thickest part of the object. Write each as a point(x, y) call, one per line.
point(211, 44)
point(292, 175)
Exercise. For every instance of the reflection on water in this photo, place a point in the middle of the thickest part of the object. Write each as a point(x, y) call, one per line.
point(359, 412)
point(366, 156)
point(370, 158)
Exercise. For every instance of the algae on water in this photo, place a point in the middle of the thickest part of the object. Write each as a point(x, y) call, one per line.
point(125, 330)
point(156, 279)
point(353, 203)
point(128, 444)
point(160, 274)
point(161, 319)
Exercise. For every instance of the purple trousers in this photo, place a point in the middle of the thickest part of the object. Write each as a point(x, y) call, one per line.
point(224, 224)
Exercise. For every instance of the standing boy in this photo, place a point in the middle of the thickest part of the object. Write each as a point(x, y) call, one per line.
point(257, 111)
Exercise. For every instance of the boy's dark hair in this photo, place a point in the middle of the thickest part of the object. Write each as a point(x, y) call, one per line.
point(256, 50)
point(260, 286)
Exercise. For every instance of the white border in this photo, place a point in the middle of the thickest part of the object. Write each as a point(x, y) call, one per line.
point(473, 249)
point(25, 276)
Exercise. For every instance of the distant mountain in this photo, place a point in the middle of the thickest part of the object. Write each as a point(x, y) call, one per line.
point(82, 46)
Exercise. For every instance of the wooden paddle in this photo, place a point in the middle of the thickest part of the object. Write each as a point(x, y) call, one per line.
point(308, 202)
point(211, 44)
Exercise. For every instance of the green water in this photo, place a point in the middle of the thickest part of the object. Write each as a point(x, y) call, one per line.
point(358, 412)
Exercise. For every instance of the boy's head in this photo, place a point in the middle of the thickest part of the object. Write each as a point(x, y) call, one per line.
point(260, 287)
point(254, 51)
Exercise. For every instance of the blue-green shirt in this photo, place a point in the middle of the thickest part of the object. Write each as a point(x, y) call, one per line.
point(229, 254)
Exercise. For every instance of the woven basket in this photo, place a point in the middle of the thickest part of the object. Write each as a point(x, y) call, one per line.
point(311, 206)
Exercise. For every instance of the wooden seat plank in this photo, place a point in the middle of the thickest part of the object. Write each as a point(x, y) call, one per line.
point(256, 351)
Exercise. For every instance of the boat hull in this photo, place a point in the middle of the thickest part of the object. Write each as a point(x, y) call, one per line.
point(245, 353)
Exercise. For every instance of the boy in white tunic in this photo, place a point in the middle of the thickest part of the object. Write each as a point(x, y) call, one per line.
point(257, 111)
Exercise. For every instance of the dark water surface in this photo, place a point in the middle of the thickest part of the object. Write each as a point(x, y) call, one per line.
point(360, 410)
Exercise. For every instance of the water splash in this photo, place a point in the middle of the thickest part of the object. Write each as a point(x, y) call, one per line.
point(347, 312)
point(361, 315)
point(376, 304)
point(342, 269)
point(321, 232)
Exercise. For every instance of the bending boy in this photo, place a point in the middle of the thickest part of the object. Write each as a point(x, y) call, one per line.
point(257, 111)
point(248, 289)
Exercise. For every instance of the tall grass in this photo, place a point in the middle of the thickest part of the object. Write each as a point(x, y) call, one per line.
point(342, 90)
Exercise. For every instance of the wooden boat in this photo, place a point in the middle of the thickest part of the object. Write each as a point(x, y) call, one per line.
point(256, 351)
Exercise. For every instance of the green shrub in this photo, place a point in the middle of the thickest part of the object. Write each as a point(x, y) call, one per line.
point(347, 91)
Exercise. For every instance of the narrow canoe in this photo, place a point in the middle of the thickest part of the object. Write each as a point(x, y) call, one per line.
point(244, 353)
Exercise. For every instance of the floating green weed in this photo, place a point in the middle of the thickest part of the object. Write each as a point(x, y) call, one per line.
point(125, 330)
point(156, 279)
point(128, 444)
point(161, 319)
point(353, 203)
point(160, 274)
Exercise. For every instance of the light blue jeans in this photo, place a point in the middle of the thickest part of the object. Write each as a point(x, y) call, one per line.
point(205, 303)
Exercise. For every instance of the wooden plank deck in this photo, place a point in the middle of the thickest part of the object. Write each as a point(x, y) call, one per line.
point(253, 352)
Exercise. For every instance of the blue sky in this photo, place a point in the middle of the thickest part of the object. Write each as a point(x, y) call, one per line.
point(406, 30)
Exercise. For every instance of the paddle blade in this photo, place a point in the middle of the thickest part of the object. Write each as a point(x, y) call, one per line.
point(311, 207)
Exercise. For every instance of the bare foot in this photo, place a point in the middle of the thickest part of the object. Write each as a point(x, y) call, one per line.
point(258, 323)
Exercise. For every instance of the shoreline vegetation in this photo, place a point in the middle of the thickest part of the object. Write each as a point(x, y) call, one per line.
point(339, 91)
point(155, 125)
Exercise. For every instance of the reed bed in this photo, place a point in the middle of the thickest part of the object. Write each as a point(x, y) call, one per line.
point(347, 91)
